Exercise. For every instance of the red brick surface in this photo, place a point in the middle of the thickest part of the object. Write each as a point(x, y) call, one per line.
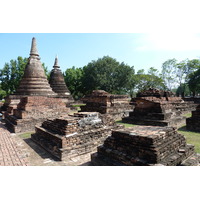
point(10, 155)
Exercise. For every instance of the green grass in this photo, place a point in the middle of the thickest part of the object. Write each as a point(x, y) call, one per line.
point(125, 124)
point(78, 105)
point(191, 137)
point(26, 135)
point(187, 115)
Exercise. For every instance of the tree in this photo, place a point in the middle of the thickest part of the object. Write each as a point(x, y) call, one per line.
point(183, 90)
point(184, 71)
point(46, 71)
point(151, 80)
point(73, 79)
point(11, 74)
point(108, 74)
point(2, 93)
point(169, 71)
point(194, 82)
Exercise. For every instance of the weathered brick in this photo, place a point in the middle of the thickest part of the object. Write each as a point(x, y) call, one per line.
point(143, 145)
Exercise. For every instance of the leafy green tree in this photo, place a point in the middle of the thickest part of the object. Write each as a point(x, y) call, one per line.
point(2, 93)
point(194, 82)
point(169, 73)
point(185, 69)
point(73, 79)
point(183, 90)
point(150, 80)
point(11, 74)
point(46, 71)
point(108, 74)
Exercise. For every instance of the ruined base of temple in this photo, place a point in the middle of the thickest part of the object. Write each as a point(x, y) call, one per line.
point(73, 136)
point(177, 121)
point(185, 107)
point(156, 112)
point(32, 110)
point(9, 105)
point(117, 112)
point(101, 101)
point(145, 146)
point(15, 125)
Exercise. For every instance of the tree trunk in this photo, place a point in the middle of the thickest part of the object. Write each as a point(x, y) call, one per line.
point(183, 94)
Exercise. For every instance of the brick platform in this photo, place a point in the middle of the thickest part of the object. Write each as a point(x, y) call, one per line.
point(33, 110)
point(101, 101)
point(145, 146)
point(156, 111)
point(10, 155)
point(74, 136)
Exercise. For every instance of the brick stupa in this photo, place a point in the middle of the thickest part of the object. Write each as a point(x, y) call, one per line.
point(34, 81)
point(34, 99)
point(58, 85)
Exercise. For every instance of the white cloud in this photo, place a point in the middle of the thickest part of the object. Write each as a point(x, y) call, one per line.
point(169, 42)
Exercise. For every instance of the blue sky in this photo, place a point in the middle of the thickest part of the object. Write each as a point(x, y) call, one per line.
point(77, 49)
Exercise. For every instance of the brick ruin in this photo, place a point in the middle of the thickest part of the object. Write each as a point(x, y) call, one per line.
point(100, 101)
point(193, 123)
point(179, 103)
point(145, 146)
point(22, 110)
point(33, 110)
point(155, 111)
point(73, 136)
point(153, 92)
point(158, 108)
point(58, 85)
point(9, 105)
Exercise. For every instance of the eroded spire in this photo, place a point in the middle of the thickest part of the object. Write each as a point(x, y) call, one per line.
point(34, 48)
point(56, 63)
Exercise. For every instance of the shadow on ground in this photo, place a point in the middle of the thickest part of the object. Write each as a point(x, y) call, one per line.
point(183, 128)
point(39, 150)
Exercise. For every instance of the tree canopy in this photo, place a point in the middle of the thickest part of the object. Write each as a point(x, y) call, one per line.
point(11, 74)
point(150, 80)
point(108, 74)
point(73, 79)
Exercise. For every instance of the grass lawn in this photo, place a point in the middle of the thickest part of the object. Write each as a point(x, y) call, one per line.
point(25, 135)
point(126, 125)
point(187, 115)
point(191, 137)
point(78, 105)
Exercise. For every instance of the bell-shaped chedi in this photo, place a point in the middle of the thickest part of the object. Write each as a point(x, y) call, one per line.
point(34, 81)
point(57, 82)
